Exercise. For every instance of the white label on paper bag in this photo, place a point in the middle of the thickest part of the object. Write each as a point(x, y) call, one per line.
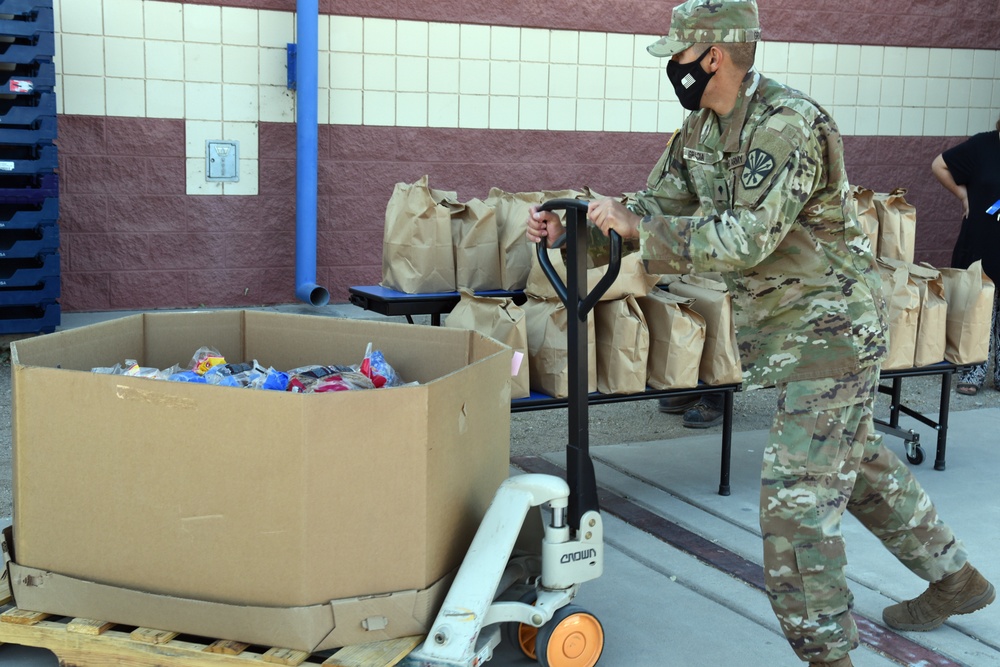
point(515, 363)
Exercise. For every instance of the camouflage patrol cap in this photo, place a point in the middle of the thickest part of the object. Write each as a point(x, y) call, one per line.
point(708, 22)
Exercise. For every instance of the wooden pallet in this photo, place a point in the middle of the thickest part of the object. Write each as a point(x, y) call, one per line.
point(83, 642)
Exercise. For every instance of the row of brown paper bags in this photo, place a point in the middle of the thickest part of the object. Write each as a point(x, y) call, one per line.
point(638, 335)
point(434, 243)
point(936, 314)
point(889, 222)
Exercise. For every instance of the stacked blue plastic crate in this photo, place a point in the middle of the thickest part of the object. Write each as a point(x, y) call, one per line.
point(29, 184)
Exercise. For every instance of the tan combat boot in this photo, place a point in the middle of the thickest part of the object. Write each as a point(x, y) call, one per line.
point(843, 662)
point(963, 592)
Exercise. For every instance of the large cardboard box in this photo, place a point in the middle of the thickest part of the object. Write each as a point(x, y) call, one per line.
point(245, 498)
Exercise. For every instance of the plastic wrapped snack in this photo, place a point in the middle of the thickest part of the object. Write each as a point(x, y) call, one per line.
point(268, 378)
point(131, 368)
point(301, 379)
point(375, 367)
point(187, 376)
point(204, 359)
point(342, 381)
point(108, 370)
point(228, 375)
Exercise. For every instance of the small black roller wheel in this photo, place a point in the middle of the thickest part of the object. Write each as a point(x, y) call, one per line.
point(520, 635)
point(915, 455)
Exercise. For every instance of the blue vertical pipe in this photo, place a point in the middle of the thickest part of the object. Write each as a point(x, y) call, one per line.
point(307, 152)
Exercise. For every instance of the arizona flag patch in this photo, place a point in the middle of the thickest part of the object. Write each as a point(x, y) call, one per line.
point(758, 165)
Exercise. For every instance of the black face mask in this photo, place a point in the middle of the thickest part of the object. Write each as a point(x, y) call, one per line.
point(689, 81)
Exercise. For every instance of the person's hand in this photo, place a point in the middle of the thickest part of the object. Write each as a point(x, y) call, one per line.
point(963, 195)
point(608, 214)
point(543, 225)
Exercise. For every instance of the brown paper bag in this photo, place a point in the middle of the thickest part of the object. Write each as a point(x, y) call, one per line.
point(932, 327)
point(622, 346)
point(499, 318)
point(969, 293)
point(586, 195)
point(512, 223)
point(417, 252)
point(477, 246)
point(516, 252)
point(897, 225)
point(676, 340)
point(903, 300)
point(547, 351)
point(632, 280)
point(864, 204)
point(537, 284)
point(720, 360)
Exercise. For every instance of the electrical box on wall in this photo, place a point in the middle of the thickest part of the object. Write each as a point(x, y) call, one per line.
point(222, 161)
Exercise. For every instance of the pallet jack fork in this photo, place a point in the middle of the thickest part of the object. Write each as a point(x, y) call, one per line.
point(499, 592)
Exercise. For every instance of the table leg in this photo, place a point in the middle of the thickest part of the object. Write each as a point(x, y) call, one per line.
point(942, 427)
point(897, 391)
point(727, 443)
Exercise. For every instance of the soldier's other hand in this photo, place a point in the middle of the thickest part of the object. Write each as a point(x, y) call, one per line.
point(543, 225)
point(608, 214)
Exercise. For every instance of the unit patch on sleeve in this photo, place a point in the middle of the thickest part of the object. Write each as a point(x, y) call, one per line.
point(758, 166)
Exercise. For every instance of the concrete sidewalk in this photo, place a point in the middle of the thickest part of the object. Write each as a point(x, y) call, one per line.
point(674, 592)
point(661, 605)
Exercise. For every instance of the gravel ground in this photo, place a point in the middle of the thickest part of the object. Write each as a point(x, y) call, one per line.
point(636, 421)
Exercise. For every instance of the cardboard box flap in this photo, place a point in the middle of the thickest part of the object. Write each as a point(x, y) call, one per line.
point(314, 628)
point(152, 339)
point(301, 628)
point(172, 338)
point(106, 343)
point(375, 618)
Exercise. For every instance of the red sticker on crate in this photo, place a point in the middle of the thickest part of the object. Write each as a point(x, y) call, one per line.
point(18, 86)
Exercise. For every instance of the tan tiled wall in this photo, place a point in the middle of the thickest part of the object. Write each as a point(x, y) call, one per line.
point(202, 62)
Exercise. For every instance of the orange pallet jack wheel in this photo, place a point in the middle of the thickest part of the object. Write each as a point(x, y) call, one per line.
point(525, 639)
point(521, 635)
point(573, 638)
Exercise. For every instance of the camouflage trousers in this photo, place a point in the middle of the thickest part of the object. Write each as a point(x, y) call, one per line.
point(823, 457)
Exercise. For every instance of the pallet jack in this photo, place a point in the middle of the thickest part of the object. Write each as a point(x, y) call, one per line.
point(526, 599)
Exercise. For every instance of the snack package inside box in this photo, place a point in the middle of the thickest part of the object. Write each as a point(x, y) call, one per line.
point(209, 366)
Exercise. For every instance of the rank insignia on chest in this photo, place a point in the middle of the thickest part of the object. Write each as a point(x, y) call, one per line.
point(759, 164)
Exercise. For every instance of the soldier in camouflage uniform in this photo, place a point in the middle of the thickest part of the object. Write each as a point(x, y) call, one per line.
point(754, 186)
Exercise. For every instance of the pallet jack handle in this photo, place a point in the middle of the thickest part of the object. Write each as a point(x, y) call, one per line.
point(573, 293)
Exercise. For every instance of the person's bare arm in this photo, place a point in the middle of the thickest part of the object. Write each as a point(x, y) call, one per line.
point(940, 170)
